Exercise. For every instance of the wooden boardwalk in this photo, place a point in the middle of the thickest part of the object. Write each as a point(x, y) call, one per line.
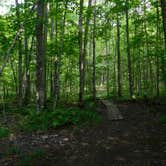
point(113, 112)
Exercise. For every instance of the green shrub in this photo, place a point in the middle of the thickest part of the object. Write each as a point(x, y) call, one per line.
point(4, 132)
point(163, 119)
point(35, 121)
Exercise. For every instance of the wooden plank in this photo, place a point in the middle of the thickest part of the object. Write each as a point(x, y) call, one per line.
point(113, 112)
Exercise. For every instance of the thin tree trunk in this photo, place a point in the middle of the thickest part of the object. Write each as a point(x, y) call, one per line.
point(119, 57)
point(157, 50)
point(94, 53)
point(20, 75)
point(128, 50)
point(27, 72)
point(51, 63)
point(81, 63)
point(163, 7)
point(163, 61)
point(107, 69)
point(45, 47)
point(56, 41)
point(58, 74)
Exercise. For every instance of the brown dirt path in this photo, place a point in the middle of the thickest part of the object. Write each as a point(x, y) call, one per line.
point(113, 112)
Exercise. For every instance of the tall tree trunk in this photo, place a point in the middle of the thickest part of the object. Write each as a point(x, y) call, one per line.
point(94, 53)
point(20, 76)
point(46, 10)
point(163, 7)
point(81, 64)
point(128, 50)
point(27, 95)
point(163, 59)
point(27, 72)
point(28, 56)
point(56, 41)
point(157, 50)
point(119, 57)
point(51, 63)
point(84, 52)
point(107, 69)
point(41, 57)
point(58, 73)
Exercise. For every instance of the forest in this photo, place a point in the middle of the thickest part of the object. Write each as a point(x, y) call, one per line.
point(83, 82)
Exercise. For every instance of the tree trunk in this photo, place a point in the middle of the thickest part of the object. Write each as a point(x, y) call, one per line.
point(46, 8)
point(94, 53)
point(84, 52)
point(107, 69)
point(51, 63)
point(157, 50)
point(128, 51)
point(41, 57)
point(81, 63)
point(58, 74)
point(163, 59)
point(27, 72)
point(163, 7)
point(20, 76)
point(119, 57)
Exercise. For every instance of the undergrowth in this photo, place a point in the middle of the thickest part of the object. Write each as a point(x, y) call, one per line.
point(4, 131)
point(163, 119)
point(34, 121)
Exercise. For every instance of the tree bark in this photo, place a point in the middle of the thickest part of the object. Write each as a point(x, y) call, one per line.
point(94, 53)
point(119, 57)
point(81, 63)
point(157, 49)
point(128, 50)
point(41, 57)
point(107, 69)
point(84, 52)
point(163, 59)
point(58, 73)
point(163, 7)
point(20, 75)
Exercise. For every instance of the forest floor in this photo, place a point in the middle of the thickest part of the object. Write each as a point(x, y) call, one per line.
point(137, 140)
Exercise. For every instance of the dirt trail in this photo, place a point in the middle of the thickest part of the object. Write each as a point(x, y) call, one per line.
point(113, 112)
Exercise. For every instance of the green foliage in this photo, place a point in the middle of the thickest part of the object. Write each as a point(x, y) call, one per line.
point(14, 150)
point(163, 119)
point(4, 131)
point(30, 158)
point(45, 120)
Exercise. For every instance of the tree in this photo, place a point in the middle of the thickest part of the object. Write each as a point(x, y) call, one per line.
point(58, 74)
point(94, 53)
point(128, 49)
point(40, 58)
point(20, 75)
point(119, 57)
point(163, 7)
point(81, 59)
